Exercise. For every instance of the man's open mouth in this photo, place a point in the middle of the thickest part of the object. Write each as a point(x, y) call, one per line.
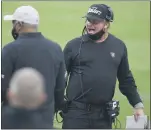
point(91, 30)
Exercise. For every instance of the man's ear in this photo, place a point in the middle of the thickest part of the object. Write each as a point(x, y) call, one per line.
point(44, 97)
point(19, 25)
point(107, 25)
point(9, 94)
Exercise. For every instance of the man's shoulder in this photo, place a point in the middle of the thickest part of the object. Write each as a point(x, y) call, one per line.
point(118, 43)
point(74, 42)
point(10, 44)
point(76, 39)
point(52, 44)
point(55, 49)
point(7, 117)
point(7, 111)
point(9, 47)
point(116, 40)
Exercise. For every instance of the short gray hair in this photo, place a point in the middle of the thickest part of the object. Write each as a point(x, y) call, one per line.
point(27, 25)
point(27, 84)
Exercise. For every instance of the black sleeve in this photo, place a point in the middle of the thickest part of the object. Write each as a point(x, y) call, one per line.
point(60, 85)
point(126, 80)
point(68, 57)
point(6, 71)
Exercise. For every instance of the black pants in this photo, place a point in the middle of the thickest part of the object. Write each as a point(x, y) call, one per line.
point(85, 118)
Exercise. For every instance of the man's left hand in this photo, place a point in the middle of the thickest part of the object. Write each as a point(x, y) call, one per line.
point(138, 112)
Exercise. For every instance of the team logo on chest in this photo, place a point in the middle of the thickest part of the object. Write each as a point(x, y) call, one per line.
point(112, 54)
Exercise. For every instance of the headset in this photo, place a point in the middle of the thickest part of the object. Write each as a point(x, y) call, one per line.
point(110, 15)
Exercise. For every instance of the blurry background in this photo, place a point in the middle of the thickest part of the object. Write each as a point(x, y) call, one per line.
point(61, 21)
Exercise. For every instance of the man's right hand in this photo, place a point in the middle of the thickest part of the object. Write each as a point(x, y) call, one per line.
point(138, 112)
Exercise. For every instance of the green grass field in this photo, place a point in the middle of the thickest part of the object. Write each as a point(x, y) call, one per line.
point(61, 21)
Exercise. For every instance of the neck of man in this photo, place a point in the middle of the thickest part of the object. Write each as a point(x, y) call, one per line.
point(28, 30)
point(103, 38)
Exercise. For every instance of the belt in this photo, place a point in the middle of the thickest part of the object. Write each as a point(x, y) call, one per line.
point(87, 106)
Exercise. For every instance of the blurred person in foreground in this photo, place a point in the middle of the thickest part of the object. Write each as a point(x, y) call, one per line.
point(93, 62)
point(26, 94)
point(31, 49)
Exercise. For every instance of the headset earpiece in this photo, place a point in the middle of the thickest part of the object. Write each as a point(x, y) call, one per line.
point(110, 15)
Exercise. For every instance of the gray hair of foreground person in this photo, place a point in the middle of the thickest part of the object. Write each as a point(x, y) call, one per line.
point(27, 89)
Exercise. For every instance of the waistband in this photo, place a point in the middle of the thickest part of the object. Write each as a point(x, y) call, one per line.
point(87, 106)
